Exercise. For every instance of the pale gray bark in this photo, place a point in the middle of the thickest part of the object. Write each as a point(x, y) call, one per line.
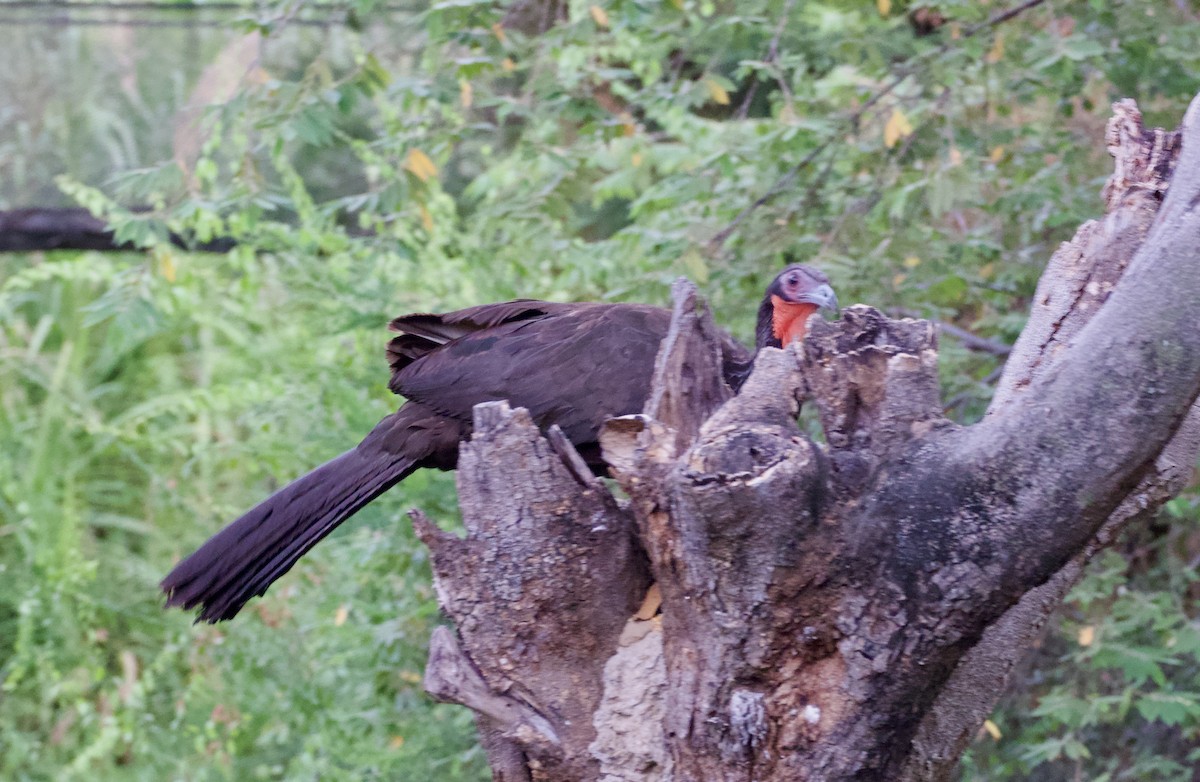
point(845, 611)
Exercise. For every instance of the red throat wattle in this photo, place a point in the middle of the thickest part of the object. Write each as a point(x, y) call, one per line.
point(789, 320)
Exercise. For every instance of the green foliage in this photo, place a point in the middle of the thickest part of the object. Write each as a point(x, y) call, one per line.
point(437, 158)
point(131, 430)
point(1114, 693)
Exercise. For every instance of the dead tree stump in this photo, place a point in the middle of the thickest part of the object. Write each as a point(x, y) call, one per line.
point(846, 610)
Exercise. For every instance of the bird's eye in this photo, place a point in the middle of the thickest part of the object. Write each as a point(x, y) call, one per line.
point(793, 280)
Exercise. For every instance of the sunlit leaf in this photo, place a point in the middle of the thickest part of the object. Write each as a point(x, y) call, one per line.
point(420, 164)
point(716, 92)
point(697, 269)
point(896, 128)
point(996, 53)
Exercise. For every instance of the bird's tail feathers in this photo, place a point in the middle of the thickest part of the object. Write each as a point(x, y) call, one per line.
point(248, 555)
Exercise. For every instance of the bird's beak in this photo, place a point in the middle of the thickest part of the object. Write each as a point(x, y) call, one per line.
point(822, 296)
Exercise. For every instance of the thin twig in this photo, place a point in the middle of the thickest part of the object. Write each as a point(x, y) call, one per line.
point(772, 54)
point(969, 339)
point(718, 240)
point(963, 397)
point(867, 203)
point(974, 341)
point(723, 235)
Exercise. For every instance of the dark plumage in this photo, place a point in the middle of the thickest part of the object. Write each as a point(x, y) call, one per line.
point(574, 365)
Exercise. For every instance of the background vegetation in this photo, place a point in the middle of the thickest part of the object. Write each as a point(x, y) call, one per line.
point(372, 159)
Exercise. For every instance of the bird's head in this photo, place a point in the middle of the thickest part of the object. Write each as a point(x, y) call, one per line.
point(796, 293)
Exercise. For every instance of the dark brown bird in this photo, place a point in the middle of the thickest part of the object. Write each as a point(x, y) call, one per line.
point(574, 365)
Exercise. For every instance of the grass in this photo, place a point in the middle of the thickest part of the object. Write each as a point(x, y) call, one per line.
point(142, 405)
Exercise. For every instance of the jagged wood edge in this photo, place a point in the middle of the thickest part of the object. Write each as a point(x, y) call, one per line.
point(689, 402)
point(532, 673)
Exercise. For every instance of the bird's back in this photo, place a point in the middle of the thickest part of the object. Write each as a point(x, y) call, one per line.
point(574, 365)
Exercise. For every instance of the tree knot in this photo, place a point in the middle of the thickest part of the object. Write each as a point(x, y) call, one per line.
point(747, 722)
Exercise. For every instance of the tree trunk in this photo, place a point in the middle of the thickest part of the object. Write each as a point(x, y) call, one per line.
point(840, 611)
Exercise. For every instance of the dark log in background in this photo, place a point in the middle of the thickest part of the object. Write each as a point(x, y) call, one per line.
point(42, 229)
point(841, 611)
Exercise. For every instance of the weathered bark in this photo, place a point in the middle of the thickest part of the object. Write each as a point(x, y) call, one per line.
point(839, 611)
point(1076, 283)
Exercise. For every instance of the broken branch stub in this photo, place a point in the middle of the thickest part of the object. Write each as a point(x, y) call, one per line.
point(687, 385)
point(875, 385)
point(539, 591)
point(1083, 272)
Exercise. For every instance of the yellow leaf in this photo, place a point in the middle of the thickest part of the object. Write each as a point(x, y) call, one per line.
point(678, 4)
point(508, 65)
point(465, 93)
point(717, 92)
point(898, 280)
point(498, 31)
point(636, 159)
point(396, 743)
point(339, 616)
point(412, 677)
point(912, 262)
point(987, 271)
point(694, 265)
point(884, 6)
point(420, 164)
point(956, 157)
point(955, 31)
point(258, 76)
point(997, 154)
point(599, 16)
point(897, 127)
point(166, 263)
point(426, 219)
point(1087, 635)
point(992, 729)
point(995, 54)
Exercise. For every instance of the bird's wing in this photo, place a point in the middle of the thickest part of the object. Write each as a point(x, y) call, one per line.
point(422, 332)
point(574, 366)
point(446, 326)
